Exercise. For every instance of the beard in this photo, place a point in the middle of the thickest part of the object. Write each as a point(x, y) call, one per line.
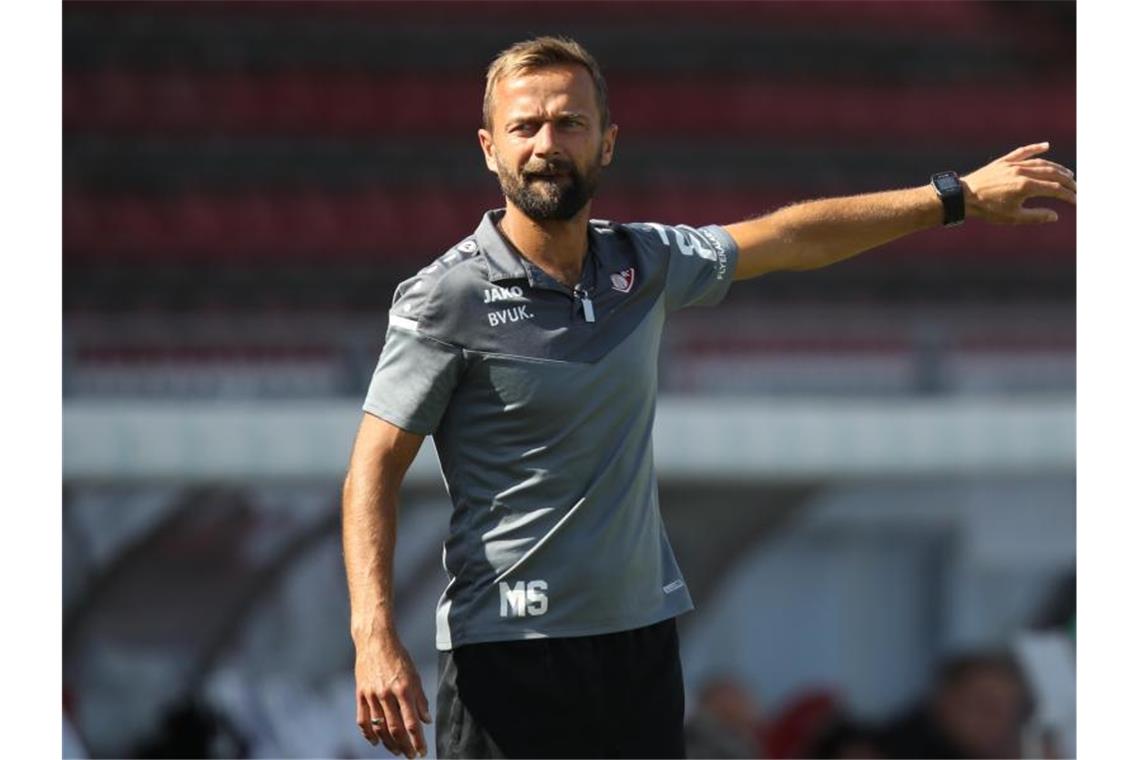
point(556, 198)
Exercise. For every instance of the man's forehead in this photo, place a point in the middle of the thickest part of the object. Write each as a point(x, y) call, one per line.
point(557, 89)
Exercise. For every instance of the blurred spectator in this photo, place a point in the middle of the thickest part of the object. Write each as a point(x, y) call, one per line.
point(814, 724)
point(845, 738)
point(72, 745)
point(191, 728)
point(727, 723)
point(977, 709)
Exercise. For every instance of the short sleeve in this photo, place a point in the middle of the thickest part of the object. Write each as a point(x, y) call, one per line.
point(417, 373)
point(700, 263)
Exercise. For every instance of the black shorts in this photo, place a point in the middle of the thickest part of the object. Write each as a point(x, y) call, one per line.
point(610, 695)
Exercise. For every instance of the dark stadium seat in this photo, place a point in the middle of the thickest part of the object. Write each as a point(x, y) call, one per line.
point(961, 18)
point(338, 104)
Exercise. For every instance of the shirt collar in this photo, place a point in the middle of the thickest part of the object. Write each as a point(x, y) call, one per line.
point(502, 262)
point(505, 263)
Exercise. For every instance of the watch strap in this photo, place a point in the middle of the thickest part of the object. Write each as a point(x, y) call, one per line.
point(949, 190)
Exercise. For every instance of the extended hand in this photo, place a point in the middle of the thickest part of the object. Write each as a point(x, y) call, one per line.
point(996, 191)
point(388, 690)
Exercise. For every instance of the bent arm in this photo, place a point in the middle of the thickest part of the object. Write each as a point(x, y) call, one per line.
point(816, 233)
point(380, 458)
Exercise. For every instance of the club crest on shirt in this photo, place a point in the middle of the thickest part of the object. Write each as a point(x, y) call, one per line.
point(623, 280)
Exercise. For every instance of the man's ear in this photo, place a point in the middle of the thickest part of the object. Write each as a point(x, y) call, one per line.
point(488, 146)
point(609, 139)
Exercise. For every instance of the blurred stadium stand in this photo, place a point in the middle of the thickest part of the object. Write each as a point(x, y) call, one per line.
point(268, 160)
point(862, 467)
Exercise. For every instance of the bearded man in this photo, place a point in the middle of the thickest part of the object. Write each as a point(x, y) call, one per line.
point(529, 352)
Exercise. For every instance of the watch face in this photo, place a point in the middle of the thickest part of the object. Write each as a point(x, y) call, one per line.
point(946, 184)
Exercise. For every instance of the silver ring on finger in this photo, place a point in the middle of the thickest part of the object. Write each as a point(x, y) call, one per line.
point(377, 721)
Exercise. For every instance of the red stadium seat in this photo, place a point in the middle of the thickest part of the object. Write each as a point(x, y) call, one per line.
point(397, 224)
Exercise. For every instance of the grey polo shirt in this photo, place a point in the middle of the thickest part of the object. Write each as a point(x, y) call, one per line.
point(541, 400)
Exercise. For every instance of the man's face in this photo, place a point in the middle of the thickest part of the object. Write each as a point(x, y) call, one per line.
point(547, 145)
point(983, 712)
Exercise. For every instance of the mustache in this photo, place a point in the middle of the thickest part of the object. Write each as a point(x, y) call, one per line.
point(550, 167)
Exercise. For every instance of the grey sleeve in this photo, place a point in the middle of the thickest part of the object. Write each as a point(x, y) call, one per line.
point(419, 367)
point(414, 380)
point(700, 263)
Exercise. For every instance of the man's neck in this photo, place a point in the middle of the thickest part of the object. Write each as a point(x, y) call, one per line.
point(556, 247)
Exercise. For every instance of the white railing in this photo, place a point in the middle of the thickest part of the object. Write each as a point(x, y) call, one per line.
point(695, 438)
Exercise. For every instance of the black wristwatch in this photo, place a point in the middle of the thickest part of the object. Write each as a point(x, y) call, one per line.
point(949, 189)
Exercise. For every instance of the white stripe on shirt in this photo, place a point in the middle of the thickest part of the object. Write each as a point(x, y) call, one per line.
point(404, 322)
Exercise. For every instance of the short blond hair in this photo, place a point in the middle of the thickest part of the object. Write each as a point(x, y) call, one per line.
point(540, 52)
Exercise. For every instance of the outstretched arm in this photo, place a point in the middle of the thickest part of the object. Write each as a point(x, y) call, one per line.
point(816, 233)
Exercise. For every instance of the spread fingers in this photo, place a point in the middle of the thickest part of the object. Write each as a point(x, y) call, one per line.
point(1045, 188)
point(1048, 174)
point(1038, 163)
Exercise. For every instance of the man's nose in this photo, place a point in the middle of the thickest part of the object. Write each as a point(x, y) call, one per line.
point(545, 142)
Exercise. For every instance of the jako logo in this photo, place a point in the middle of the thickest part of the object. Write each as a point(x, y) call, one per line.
point(502, 294)
point(522, 599)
